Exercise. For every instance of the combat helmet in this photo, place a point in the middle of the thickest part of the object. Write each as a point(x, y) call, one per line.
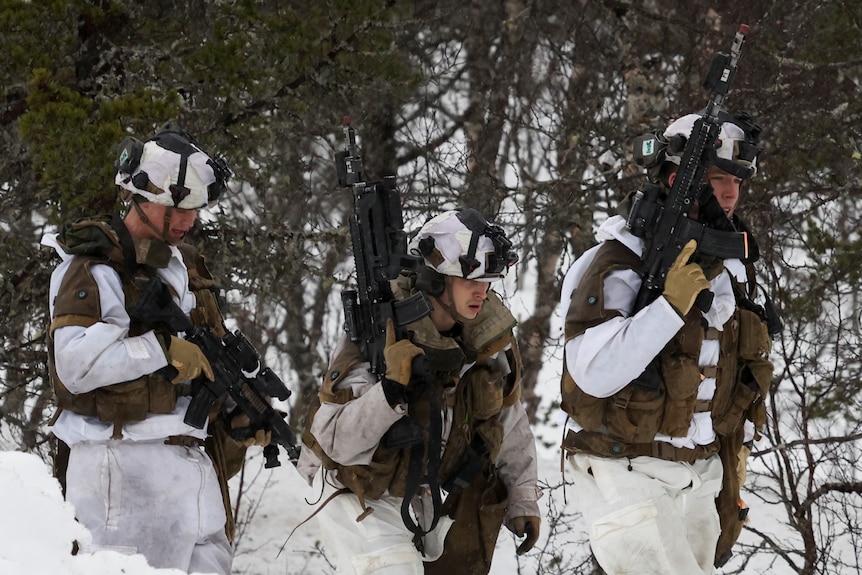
point(461, 243)
point(172, 170)
point(736, 149)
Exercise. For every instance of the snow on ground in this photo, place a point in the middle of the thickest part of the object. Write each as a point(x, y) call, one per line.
point(278, 499)
point(37, 528)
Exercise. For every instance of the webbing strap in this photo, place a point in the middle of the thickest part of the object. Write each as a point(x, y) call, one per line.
point(130, 261)
point(414, 478)
point(342, 491)
point(595, 443)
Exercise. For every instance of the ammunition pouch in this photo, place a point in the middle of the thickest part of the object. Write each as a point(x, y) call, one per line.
point(478, 511)
point(586, 409)
point(681, 376)
point(470, 465)
point(485, 384)
point(121, 403)
point(634, 415)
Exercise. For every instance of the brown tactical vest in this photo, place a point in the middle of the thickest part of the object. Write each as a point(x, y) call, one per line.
point(77, 303)
point(625, 424)
point(476, 398)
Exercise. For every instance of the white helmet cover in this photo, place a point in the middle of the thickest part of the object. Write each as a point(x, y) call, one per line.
point(737, 150)
point(461, 243)
point(172, 170)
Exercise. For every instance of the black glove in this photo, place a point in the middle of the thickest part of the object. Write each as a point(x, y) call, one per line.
point(395, 392)
point(527, 527)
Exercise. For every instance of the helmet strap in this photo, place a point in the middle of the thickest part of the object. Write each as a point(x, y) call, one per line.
point(166, 225)
point(164, 233)
point(477, 225)
point(450, 307)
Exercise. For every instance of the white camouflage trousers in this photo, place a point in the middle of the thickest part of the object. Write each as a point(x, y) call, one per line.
point(647, 515)
point(162, 501)
point(380, 544)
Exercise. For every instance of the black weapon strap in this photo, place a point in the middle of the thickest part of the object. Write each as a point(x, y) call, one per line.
point(415, 480)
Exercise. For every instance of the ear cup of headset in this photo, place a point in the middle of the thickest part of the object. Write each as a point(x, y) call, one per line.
point(129, 159)
point(140, 180)
point(430, 281)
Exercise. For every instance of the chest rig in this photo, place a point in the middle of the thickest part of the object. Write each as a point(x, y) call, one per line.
point(625, 424)
point(474, 398)
point(102, 241)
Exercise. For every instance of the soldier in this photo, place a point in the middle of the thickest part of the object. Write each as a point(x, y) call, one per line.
point(138, 476)
point(655, 466)
point(488, 463)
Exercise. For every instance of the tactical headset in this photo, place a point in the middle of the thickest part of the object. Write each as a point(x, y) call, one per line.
point(651, 150)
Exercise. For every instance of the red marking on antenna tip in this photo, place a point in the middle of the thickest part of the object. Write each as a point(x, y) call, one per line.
point(345, 120)
point(743, 28)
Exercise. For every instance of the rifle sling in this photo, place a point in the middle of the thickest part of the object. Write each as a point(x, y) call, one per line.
point(414, 478)
point(130, 260)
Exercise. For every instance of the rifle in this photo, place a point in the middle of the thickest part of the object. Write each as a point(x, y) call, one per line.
point(238, 369)
point(668, 228)
point(380, 254)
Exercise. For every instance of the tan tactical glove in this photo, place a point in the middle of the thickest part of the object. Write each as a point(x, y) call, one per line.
point(528, 527)
point(684, 280)
point(399, 356)
point(188, 359)
point(260, 438)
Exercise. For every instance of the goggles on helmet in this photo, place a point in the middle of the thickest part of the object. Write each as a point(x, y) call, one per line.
point(462, 243)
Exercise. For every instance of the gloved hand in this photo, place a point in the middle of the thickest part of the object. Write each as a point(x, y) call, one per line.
point(527, 527)
point(684, 280)
point(399, 356)
point(260, 438)
point(188, 359)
